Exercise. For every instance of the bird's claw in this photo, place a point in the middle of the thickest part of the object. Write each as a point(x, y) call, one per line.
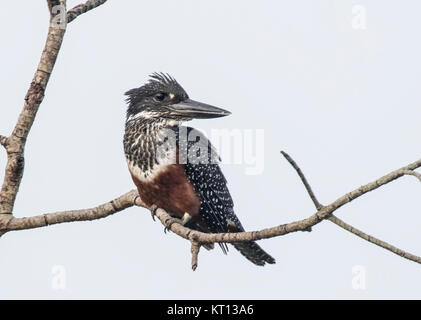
point(170, 223)
point(185, 219)
point(153, 209)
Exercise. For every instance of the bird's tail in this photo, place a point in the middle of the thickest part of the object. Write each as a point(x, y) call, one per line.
point(253, 252)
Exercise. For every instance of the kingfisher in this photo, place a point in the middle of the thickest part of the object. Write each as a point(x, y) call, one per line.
point(175, 167)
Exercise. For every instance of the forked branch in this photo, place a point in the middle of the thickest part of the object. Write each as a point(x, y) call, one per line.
point(83, 8)
point(197, 238)
point(15, 143)
point(347, 226)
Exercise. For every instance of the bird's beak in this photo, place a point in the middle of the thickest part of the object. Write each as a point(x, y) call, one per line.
point(197, 110)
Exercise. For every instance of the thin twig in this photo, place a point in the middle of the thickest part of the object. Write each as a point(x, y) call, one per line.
point(413, 173)
point(73, 13)
point(195, 248)
point(374, 240)
point(303, 179)
point(347, 226)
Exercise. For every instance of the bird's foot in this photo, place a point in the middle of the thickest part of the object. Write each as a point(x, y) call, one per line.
point(170, 222)
point(153, 209)
point(186, 218)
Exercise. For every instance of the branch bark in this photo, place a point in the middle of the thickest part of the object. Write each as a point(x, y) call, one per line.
point(16, 142)
point(104, 210)
point(310, 192)
point(195, 237)
point(195, 248)
point(83, 8)
point(413, 173)
point(325, 212)
point(374, 240)
point(347, 226)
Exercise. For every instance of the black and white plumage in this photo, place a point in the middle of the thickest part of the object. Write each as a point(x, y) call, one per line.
point(174, 172)
point(216, 204)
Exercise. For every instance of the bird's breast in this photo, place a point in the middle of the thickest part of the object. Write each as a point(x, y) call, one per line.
point(167, 186)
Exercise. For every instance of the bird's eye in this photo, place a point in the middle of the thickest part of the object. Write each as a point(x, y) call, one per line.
point(160, 96)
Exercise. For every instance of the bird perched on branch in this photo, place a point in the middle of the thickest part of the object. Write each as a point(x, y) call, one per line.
point(175, 167)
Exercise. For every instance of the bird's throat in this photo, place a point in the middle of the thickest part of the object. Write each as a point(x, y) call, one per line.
point(149, 147)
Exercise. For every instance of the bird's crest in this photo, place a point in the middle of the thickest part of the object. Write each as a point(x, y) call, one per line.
point(158, 82)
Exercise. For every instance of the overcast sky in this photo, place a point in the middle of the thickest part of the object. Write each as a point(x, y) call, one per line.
point(334, 84)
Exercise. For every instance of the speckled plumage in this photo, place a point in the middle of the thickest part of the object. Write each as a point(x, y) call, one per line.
point(183, 166)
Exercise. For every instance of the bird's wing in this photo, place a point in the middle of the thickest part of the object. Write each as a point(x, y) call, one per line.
point(215, 200)
point(204, 173)
point(216, 205)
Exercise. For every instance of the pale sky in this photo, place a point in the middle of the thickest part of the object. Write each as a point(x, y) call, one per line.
point(342, 97)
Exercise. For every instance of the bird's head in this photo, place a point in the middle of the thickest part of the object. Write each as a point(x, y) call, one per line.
point(163, 99)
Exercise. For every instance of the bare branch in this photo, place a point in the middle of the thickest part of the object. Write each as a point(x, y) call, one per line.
point(374, 240)
point(132, 197)
point(82, 8)
point(348, 227)
point(16, 142)
point(324, 213)
point(33, 99)
point(195, 247)
point(303, 179)
point(197, 238)
point(123, 202)
point(413, 173)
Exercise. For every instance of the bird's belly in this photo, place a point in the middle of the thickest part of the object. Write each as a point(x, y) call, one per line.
point(168, 188)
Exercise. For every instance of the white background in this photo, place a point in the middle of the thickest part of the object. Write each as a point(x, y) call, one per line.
point(345, 103)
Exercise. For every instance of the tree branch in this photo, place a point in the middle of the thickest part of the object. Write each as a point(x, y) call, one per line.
point(324, 213)
point(282, 229)
point(197, 238)
point(16, 141)
point(374, 240)
point(413, 173)
point(15, 144)
point(195, 247)
point(303, 179)
point(123, 202)
point(82, 8)
point(348, 227)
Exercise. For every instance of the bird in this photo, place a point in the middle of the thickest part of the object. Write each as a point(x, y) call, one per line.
point(178, 174)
